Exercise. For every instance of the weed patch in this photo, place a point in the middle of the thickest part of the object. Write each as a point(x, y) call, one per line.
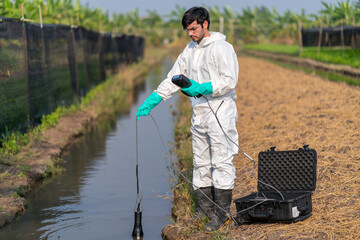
point(54, 167)
point(11, 142)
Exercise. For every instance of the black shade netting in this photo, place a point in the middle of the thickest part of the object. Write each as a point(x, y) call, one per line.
point(332, 36)
point(42, 68)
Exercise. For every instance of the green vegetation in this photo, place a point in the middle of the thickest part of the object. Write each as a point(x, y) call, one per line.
point(275, 48)
point(16, 195)
point(184, 201)
point(21, 191)
point(112, 96)
point(334, 55)
point(251, 25)
point(23, 170)
point(4, 175)
point(184, 205)
point(328, 75)
point(53, 167)
point(50, 120)
point(11, 142)
point(327, 54)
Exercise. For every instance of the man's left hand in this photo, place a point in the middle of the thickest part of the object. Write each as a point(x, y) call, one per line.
point(198, 89)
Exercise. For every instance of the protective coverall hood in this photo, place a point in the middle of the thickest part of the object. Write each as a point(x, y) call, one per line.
point(215, 36)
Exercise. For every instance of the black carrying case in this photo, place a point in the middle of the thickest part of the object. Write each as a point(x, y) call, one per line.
point(293, 174)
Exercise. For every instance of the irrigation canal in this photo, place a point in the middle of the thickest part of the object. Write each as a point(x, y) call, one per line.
point(95, 197)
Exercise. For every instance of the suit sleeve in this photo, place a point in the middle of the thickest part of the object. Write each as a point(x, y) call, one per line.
point(166, 88)
point(225, 60)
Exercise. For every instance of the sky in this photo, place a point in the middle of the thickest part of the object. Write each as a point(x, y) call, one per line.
point(164, 7)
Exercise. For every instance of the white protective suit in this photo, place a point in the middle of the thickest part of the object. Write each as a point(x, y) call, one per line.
point(213, 60)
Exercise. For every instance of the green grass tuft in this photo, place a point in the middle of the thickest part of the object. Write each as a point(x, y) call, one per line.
point(327, 54)
point(11, 142)
point(275, 48)
point(334, 55)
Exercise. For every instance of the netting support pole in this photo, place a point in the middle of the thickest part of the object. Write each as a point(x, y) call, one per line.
point(327, 41)
point(353, 39)
point(300, 37)
point(320, 37)
point(46, 60)
point(25, 45)
point(101, 57)
point(342, 36)
point(74, 53)
point(85, 49)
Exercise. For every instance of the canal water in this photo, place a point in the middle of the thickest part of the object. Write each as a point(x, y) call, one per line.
point(95, 197)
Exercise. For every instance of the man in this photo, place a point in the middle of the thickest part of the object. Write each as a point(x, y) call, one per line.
point(211, 64)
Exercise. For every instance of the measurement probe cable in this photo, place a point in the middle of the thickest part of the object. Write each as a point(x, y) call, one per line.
point(252, 160)
point(139, 194)
point(138, 186)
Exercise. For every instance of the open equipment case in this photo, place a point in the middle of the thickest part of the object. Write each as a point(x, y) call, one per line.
point(293, 174)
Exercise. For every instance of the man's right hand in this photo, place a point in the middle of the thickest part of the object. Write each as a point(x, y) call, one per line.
point(143, 110)
point(152, 101)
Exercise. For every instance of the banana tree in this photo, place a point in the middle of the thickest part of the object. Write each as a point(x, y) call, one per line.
point(173, 22)
point(343, 11)
point(286, 26)
point(84, 15)
point(357, 11)
point(153, 27)
point(175, 16)
point(12, 9)
point(247, 24)
point(265, 22)
point(120, 22)
point(229, 19)
point(8, 8)
point(134, 21)
point(215, 16)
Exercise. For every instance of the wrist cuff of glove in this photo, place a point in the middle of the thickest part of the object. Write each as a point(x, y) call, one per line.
point(208, 88)
point(154, 99)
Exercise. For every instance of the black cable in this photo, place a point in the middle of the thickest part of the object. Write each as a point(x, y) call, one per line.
point(190, 182)
point(138, 186)
point(184, 177)
point(252, 172)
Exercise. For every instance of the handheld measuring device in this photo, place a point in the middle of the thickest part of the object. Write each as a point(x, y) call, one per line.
point(183, 82)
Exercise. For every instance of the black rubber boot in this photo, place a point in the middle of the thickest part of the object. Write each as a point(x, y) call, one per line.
point(204, 207)
point(220, 218)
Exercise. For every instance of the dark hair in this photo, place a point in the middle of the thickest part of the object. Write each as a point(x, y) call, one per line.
point(199, 14)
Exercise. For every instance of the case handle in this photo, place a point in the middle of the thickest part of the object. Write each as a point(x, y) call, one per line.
point(302, 209)
point(261, 216)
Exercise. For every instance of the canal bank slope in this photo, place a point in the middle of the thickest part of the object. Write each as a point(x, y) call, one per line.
point(287, 109)
point(41, 158)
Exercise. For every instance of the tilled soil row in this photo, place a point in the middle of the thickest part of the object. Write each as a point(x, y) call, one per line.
point(288, 109)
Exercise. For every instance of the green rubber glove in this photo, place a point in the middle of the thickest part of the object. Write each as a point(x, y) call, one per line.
point(198, 89)
point(152, 101)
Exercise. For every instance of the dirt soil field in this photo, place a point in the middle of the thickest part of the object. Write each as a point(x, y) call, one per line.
point(287, 109)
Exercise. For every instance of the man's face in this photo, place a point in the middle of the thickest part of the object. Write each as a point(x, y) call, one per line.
point(196, 32)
